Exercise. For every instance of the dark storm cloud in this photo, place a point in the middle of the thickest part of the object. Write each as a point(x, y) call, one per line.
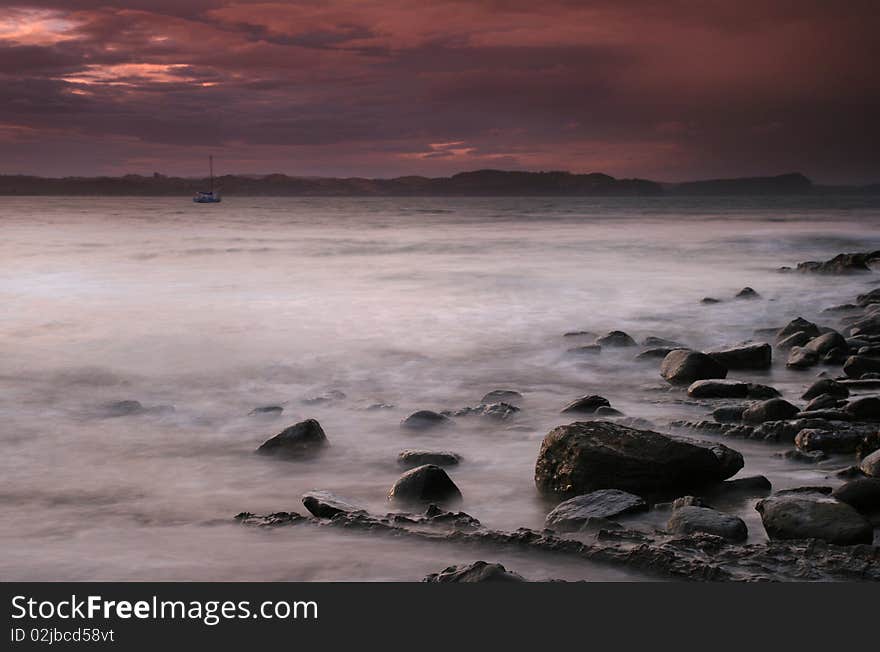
point(668, 90)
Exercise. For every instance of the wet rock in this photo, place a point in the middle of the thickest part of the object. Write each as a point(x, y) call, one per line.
point(587, 404)
point(870, 465)
point(327, 397)
point(479, 571)
point(660, 342)
point(424, 484)
point(324, 504)
point(828, 441)
point(498, 411)
point(730, 461)
point(605, 411)
point(718, 389)
point(841, 264)
point(759, 391)
point(850, 472)
point(797, 325)
point(572, 515)
point(826, 386)
point(656, 353)
point(425, 420)
point(866, 408)
point(828, 414)
point(683, 367)
point(863, 494)
point(868, 298)
point(586, 456)
point(798, 339)
point(691, 519)
point(589, 334)
point(774, 409)
point(709, 300)
point(813, 516)
point(747, 293)
point(685, 501)
point(299, 440)
point(757, 485)
point(509, 396)
point(728, 413)
point(858, 365)
point(123, 408)
point(587, 349)
point(800, 357)
point(843, 307)
point(412, 458)
point(827, 342)
point(823, 402)
point(749, 356)
point(266, 410)
point(379, 406)
point(616, 339)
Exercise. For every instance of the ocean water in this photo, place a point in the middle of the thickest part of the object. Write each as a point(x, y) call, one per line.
point(415, 303)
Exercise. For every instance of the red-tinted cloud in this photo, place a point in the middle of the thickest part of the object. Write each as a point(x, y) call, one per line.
point(680, 89)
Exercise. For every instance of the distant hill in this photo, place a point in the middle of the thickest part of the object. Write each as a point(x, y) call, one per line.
point(464, 184)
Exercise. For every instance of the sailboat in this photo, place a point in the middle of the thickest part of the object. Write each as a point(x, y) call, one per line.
point(208, 196)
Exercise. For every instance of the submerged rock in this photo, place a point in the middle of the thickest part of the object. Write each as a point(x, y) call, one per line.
point(825, 386)
point(509, 396)
point(748, 356)
point(828, 441)
point(571, 515)
point(774, 409)
point(683, 367)
point(656, 353)
point(747, 293)
point(266, 410)
point(479, 571)
point(424, 484)
point(425, 420)
point(301, 439)
point(499, 411)
point(800, 357)
point(123, 408)
point(327, 397)
point(841, 264)
point(661, 342)
point(690, 519)
point(324, 504)
point(587, 349)
point(411, 458)
point(709, 300)
point(868, 298)
point(616, 339)
point(813, 516)
point(586, 456)
point(728, 413)
point(587, 404)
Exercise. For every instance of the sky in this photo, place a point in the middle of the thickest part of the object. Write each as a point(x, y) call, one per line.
point(670, 90)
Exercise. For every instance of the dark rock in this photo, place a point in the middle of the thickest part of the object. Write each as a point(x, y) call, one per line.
point(813, 517)
point(690, 519)
point(830, 414)
point(301, 439)
point(587, 404)
point(866, 408)
point(479, 571)
point(870, 465)
point(616, 338)
point(868, 298)
point(795, 339)
point(709, 300)
point(605, 411)
point(502, 396)
point(774, 409)
point(863, 494)
point(823, 402)
point(411, 458)
point(800, 357)
point(123, 408)
point(425, 420)
point(730, 461)
point(753, 485)
point(585, 456)
point(270, 410)
point(656, 353)
point(797, 325)
point(652, 341)
point(718, 389)
point(587, 349)
point(872, 351)
point(811, 457)
point(828, 441)
point(683, 367)
point(850, 472)
point(686, 501)
point(589, 334)
point(857, 365)
point(843, 307)
point(499, 411)
point(826, 342)
point(749, 356)
point(809, 490)
point(728, 413)
point(759, 391)
point(826, 386)
point(840, 264)
point(379, 406)
point(424, 484)
point(747, 293)
point(572, 515)
point(324, 504)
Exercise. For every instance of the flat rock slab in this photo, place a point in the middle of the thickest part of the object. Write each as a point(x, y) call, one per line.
point(573, 514)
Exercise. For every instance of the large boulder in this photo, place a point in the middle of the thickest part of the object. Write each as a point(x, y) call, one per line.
point(863, 494)
point(827, 342)
point(425, 420)
point(324, 504)
point(858, 365)
point(798, 325)
point(689, 519)
point(616, 338)
point(587, 404)
point(586, 456)
point(813, 516)
point(571, 515)
point(775, 409)
point(866, 408)
point(683, 367)
point(299, 440)
point(424, 484)
point(825, 386)
point(748, 356)
point(800, 357)
point(870, 465)
point(479, 571)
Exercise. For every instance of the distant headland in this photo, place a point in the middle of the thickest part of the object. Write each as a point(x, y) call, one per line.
point(465, 184)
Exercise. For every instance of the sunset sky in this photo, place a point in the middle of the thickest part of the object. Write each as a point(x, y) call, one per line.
point(667, 90)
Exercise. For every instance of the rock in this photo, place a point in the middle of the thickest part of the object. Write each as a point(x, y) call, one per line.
point(123, 408)
point(749, 356)
point(857, 365)
point(332, 395)
point(800, 357)
point(479, 571)
point(826, 386)
point(868, 298)
point(840, 264)
point(587, 349)
point(605, 411)
point(266, 410)
point(589, 334)
point(379, 406)
point(683, 367)
point(299, 440)
point(830, 414)
point(870, 465)
point(690, 519)
point(774, 409)
point(659, 352)
point(826, 342)
point(730, 461)
point(823, 402)
point(863, 494)
point(572, 515)
point(660, 342)
point(499, 411)
point(509, 396)
point(828, 441)
point(747, 293)
point(718, 389)
point(728, 413)
point(424, 484)
point(709, 300)
point(587, 404)
point(866, 408)
point(753, 484)
point(762, 391)
point(616, 338)
point(411, 458)
point(843, 307)
point(813, 516)
point(586, 456)
point(795, 339)
point(850, 472)
point(797, 325)
point(324, 504)
point(686, 501)
point(425, 420)
point(797, 455)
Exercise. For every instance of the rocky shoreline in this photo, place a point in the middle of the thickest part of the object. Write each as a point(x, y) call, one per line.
point(607, 465)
